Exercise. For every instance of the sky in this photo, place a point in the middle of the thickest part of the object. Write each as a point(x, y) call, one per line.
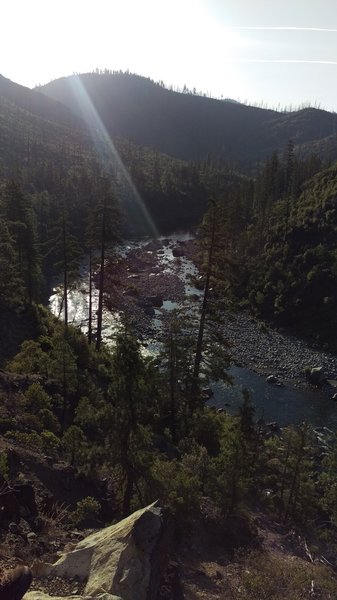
point(279, 53)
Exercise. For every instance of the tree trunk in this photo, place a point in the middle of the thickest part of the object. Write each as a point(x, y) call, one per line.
point(128, 493)
point(101, 282)
point(284, 473)
point(173, 383)
point(129, 472)
point(290, 504)
point(65, 273)
point(90, 298)
point(64, 390)
point(199, 348)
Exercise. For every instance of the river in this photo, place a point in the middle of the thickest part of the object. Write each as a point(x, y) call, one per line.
point(256, 350)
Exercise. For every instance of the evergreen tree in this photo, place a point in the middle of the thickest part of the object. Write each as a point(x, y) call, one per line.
point(209, 265)
point(63, 369)
point(106, 228)
point(66, 252)
point(11, 284)
point(17, 211)
point(133, 406)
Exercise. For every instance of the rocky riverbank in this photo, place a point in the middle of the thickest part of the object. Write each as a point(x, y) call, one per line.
point(144, 281)
point(269, 351)
point(150, 278)
point(141, 284)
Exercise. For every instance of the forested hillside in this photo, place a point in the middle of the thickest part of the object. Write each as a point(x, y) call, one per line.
point(278, 236)
point(93, 431)
point(51, 151)
point(54, 174)
point(189, 126)
point(278, 247)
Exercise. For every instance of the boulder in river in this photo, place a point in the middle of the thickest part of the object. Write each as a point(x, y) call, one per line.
point(155, 300)
point(146, 306)
point(274, 380)
point(178, 252)
point(200, 283)
point(315, 376)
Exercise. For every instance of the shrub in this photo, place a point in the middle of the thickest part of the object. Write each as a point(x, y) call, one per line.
point(4, 466)
point(48, 420)
point(51, 443)
point(73, 442)
point(179, 487)
point(87, 508)
point(37, 398)
point(30, 440)
point(30, 359)
point(31, 422)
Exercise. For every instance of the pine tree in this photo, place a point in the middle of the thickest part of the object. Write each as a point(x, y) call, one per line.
point(63, 369)
point(209, 264)
point(133, 402)
point(211, 346)
point(11, 284)
point(106, 228)
point(90, 247)
point(17, 211)
point(66, 252)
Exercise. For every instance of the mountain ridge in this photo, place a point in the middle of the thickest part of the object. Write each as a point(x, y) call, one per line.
point(35, 103)
point(189, 126)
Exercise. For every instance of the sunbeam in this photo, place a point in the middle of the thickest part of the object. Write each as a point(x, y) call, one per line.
point(133, 205)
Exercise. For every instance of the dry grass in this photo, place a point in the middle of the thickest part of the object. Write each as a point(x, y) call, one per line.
point(261, 576)
point(55, 517)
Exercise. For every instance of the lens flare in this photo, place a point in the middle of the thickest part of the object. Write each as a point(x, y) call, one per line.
point(112, 164)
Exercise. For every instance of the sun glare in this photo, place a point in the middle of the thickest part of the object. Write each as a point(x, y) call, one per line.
point(109, 158)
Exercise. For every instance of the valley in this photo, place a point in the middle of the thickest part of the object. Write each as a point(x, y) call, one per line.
point(145, 282)
point(122, 439)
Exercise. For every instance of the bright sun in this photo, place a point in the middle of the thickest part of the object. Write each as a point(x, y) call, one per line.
point(177, 41)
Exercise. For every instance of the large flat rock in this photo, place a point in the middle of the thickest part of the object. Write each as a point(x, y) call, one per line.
point(124, 559)
point(43, 596)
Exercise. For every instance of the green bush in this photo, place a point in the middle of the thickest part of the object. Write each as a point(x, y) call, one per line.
point(180, 484)
point(31, 422)
point(51, 443)
point(4, 466)
point(48, 420)
point(30, 359)
point(37, 398)
point(87, 508)
point(73, 442)
point(30, 440)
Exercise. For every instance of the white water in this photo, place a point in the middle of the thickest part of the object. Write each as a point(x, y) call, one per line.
point(78, 296)
point(285, 405)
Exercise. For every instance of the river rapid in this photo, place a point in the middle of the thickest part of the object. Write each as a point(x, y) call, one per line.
point(153, 267)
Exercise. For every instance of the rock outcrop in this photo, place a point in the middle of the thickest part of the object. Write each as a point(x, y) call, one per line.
point(17, 501)
point(124, 560)
point(14, 583)
point(43, 596)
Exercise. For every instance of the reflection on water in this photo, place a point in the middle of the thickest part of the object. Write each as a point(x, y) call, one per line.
point(78, 308)
point(282, 404)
